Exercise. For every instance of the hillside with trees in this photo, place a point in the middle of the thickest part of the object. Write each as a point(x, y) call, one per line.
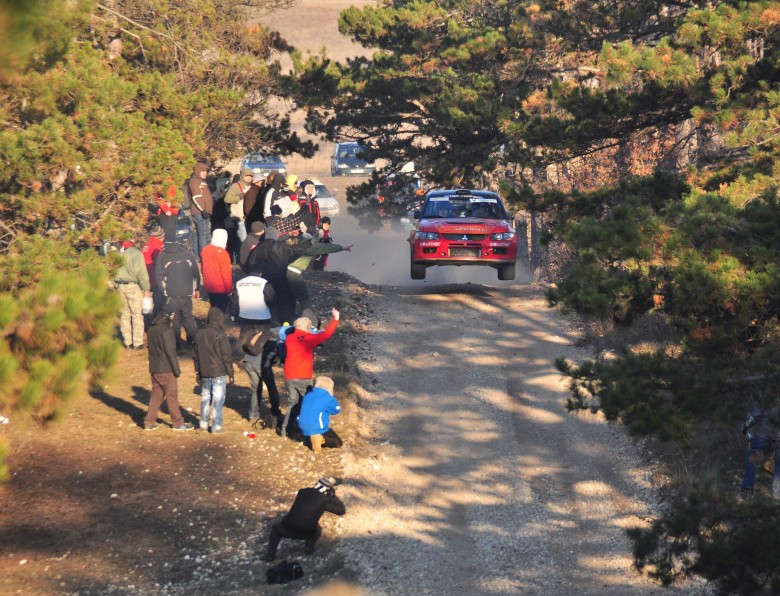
point(102, 104)
point(647, 134)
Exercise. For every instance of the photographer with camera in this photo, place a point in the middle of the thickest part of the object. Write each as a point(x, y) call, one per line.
point(302, 522)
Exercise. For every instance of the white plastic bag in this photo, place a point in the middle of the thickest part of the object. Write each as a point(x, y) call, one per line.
point(147, 305)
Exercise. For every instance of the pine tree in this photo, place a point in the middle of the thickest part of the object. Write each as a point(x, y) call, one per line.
point(101, 105)
point(660, 121)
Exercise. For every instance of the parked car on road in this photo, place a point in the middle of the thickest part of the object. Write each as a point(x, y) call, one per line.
point(328, 204)
point(347, 159)
point(463, 227)
point(262, 165)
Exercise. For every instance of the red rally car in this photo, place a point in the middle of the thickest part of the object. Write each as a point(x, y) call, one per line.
point(463, 227)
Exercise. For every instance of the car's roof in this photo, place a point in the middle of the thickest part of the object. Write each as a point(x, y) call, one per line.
point(463, 192)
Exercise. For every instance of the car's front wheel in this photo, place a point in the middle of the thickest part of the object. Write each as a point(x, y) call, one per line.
point(418, 271)
point(506, 272)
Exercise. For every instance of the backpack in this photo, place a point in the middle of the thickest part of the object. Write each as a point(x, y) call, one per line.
point(281, 348)
point(284, 572)
point(187, 194)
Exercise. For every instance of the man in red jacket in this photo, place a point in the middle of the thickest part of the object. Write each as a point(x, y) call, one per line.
point(217, 270)
point(151, 251)
point(299, 363)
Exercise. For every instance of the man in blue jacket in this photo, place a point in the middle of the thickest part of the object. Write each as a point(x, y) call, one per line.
point(314, 419)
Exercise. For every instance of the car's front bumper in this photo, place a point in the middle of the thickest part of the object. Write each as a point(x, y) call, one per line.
point(442, 252)
point(354, 171)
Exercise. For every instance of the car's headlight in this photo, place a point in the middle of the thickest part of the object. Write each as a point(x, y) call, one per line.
point(257, 170)
point(502, 236)
point(426, 236)
point(342, 165)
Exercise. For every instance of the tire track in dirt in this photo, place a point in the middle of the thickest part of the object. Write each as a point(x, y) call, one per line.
point(480, 482)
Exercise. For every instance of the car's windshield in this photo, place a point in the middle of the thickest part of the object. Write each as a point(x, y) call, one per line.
point(350, 151)
point(456, 206)
point(323, 192)
point(260, 158)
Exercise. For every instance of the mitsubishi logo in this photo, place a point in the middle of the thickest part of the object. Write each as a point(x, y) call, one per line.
point(465, 237)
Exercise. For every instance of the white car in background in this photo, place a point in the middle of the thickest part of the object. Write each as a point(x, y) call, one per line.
point(328, 204)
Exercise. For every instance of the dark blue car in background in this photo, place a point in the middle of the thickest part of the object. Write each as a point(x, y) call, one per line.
point(347, 159)
point(262, 165)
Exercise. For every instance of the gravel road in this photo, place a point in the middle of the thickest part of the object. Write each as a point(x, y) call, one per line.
point(479, 481)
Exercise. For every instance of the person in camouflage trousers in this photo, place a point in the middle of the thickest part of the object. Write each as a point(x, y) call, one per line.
point(132, 283)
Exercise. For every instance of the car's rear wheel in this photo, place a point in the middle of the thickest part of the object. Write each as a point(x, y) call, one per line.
point(418, 271)
point(506, 272)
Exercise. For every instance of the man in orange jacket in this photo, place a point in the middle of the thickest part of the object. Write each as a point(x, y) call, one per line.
point(299, 362)
point(217, 271)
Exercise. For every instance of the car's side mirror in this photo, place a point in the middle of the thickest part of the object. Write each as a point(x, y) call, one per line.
point(417, 214)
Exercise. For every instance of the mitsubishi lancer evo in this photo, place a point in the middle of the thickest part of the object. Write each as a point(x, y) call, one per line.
point(463, 227)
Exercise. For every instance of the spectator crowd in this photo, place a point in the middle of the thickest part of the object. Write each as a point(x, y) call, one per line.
point(244, 247)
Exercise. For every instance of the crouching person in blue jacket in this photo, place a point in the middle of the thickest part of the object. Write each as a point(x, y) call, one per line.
point(316, 409)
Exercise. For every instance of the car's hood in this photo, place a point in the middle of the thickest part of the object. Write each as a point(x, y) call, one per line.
point(464, 225)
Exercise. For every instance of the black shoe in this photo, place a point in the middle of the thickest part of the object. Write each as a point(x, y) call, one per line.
point(308, 548)
point(269, 557)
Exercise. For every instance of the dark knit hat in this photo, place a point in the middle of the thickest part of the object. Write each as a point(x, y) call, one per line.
point(257, 227)
point(326, 485)
point(157, 232)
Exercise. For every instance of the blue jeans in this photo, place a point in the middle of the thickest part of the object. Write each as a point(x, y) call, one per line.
point(212, 393)
point(202, 232)
point(241, 229)
point(756, 446)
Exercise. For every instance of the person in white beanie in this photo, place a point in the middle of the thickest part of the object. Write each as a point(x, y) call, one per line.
point(217, 270)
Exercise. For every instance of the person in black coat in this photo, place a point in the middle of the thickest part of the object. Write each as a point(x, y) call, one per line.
point(178, 275)
point(271, 257)
point(302, 522)
point(165, 370)
point(213, 368)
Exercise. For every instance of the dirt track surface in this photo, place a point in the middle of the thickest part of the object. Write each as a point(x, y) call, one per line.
point(479, 481)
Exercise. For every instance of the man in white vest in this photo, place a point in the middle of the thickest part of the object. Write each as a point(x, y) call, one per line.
point(251, 302)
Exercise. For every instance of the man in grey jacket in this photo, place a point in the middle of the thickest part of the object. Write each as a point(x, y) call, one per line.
point(132, 283)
